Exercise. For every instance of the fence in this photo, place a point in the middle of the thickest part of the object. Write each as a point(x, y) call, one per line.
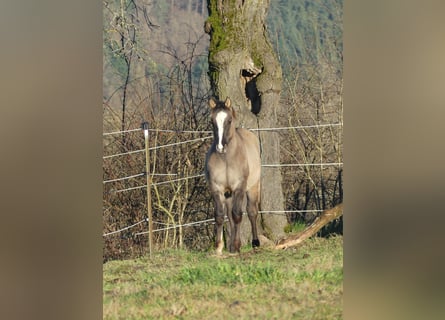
point(134, 228)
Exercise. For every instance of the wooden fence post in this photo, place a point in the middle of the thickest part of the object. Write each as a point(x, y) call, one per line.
point(147, 172)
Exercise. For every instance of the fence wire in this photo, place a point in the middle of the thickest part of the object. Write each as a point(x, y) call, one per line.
point(207, 221)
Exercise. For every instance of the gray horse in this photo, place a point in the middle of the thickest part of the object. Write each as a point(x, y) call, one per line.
point(233, 171)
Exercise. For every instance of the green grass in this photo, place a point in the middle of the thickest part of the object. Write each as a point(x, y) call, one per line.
point(301, 283)
point(295, 227)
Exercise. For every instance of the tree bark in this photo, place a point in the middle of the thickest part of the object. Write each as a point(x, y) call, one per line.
point(325, 217)
point(244, 67)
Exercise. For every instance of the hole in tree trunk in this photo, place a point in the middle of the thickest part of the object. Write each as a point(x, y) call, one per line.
point(251, 91)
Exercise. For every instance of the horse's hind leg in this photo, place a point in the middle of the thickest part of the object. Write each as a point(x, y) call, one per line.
point(237, 215)
point(253, 197)
point(231, 228)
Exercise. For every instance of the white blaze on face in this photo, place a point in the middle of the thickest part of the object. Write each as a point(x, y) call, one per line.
point(219, 119)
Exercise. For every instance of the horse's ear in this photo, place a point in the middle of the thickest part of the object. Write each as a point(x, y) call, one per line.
point(228, 103)
point(212, 103)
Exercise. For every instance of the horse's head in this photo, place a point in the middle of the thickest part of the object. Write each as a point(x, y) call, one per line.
point(223, 120)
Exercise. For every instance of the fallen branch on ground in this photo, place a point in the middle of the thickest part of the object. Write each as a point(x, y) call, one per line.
point(325, 217)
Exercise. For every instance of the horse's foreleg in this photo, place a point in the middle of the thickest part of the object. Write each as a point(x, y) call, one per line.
point(219, 221)
point(252, 212)
point(237, 215)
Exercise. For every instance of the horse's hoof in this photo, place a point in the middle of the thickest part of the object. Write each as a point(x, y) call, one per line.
point(255, 243)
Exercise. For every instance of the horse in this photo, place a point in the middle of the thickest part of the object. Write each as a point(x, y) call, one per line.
point(233, 172)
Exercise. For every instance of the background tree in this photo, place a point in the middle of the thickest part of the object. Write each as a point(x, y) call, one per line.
point(244, 67)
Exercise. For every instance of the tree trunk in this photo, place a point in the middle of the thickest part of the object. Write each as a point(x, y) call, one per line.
point(243, 66)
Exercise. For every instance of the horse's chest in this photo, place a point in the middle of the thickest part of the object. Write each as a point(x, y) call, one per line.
point(231, 175)
point(235, 175)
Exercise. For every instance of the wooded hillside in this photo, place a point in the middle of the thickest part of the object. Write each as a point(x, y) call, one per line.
point(302, 32)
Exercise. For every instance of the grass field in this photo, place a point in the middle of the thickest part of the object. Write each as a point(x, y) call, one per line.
point(301, 283)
